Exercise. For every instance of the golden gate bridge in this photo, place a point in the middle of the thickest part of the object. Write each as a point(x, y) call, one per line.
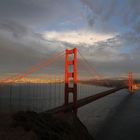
point(71, 81)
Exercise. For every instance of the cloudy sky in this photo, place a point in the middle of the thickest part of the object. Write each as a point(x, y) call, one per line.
point(107, 33)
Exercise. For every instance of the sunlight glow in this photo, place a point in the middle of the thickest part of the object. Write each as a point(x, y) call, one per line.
point(76, 37)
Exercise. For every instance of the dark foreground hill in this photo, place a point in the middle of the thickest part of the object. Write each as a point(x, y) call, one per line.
point(43, 126)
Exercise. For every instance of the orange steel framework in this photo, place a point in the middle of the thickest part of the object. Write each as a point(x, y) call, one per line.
point(130, 82)
point(71, 77)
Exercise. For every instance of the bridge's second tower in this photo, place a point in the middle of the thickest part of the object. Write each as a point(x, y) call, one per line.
point(130, 82)
point(71, 77)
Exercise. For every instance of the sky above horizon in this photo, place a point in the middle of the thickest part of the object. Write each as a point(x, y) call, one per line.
point(107, 33)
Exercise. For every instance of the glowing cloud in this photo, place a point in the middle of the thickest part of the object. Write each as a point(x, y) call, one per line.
point(76, 37)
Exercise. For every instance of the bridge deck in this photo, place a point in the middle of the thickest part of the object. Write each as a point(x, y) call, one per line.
point(85, 100)
point(125, 123)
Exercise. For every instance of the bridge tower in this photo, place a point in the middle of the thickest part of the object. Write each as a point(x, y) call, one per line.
point(71, 77)
point(130, 82)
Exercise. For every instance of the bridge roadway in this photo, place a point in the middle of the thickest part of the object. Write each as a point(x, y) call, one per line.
point(85, 101)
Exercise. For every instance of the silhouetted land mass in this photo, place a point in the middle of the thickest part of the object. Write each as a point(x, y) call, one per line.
point(43, 126)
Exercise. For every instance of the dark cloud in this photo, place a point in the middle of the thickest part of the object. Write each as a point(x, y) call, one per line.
point(108, 13)
point(110, 10)
point(21, 48)
point(17, 30)
point(91, 20)
point(136, 27)
point(94, 5)
point(36, 12)
point(23, 21)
